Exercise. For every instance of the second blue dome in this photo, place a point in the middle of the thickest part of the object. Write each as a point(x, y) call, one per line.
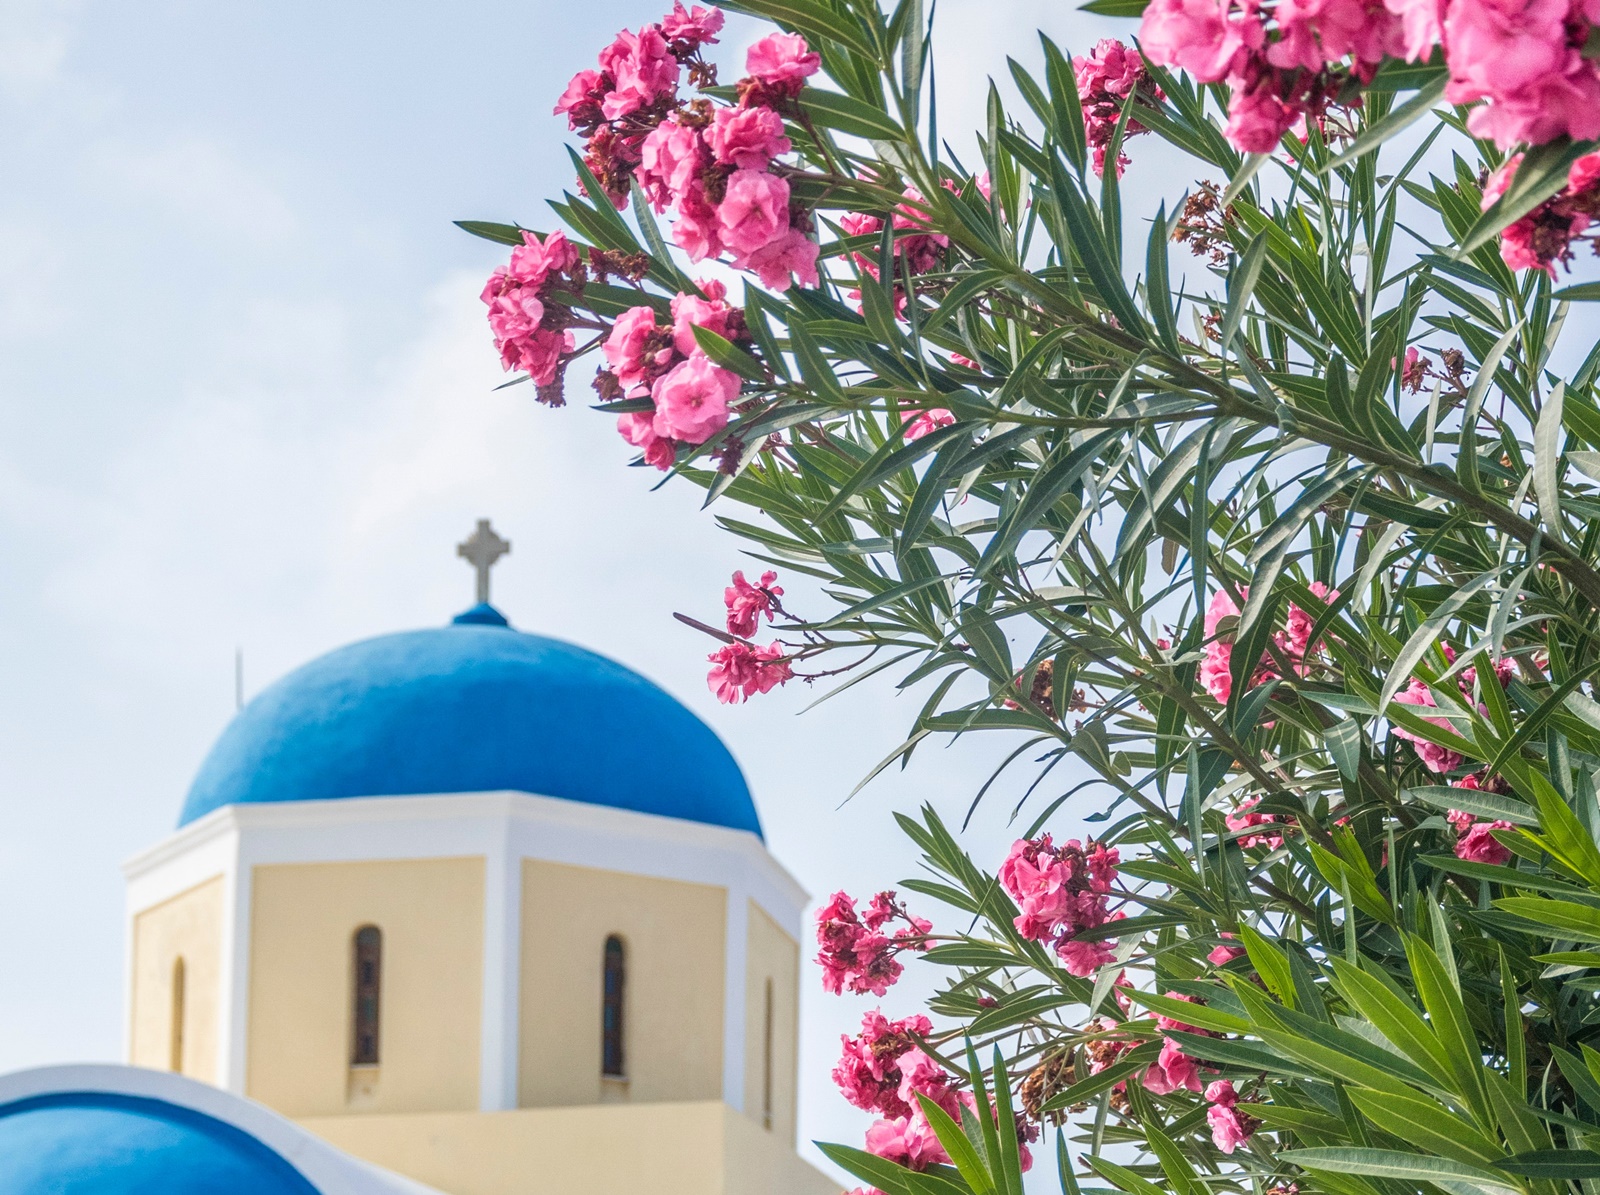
point(473, 707)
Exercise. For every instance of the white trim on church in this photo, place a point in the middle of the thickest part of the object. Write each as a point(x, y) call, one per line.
point(329, 1170)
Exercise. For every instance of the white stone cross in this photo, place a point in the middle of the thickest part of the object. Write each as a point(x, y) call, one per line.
point(482, 548)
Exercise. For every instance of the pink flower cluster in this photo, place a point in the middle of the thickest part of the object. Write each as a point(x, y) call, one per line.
point(1224, 954)
point(1294, 642)
point(883, 1065)
point(635, 87)
point(690, 394)
point(927, 421)
point(712, 163)
point(916, 251)
point(903, 1134)
point(1434, 757)
point(1063, 891)
point(1278, 76)
point(1107, 76)
point(1526, 59)
point(1544, 236)
point(1245, 817)
point(856, 955)
point(741, 670)
point(1475, 840)
point(527, 318)
point(1230, 1128)
point(747, 603)
point(714, 167)
point(1173, 1070)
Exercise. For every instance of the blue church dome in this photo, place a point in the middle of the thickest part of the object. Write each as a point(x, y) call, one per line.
point(102, 1143)
point(473, 707)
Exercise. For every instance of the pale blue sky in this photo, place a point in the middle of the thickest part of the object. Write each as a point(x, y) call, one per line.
point(247, 400)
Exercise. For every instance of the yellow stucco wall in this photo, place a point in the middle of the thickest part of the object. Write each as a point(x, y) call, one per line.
point(771, 956)
point(303, 918)
point(187, 926)
point(701, 1148)
point(674, 937)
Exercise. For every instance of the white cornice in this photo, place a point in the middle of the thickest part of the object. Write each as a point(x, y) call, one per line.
point(514, 808)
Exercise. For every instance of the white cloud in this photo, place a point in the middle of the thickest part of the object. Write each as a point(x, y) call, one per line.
point(202, 181)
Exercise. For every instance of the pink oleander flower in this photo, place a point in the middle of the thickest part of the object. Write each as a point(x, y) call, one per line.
point(691, 311)
point(907, 1141)
point(1230, 1128)
point(1298, 627)
point(782, 62)
point(791, 254)
point(515, 295)
point(869, 1072)
point(1419, 26)
point(740, 671)
point(692, 399)
point(1524, 57)
point(1173, 1070)
point(581, 100)
point(1315, 33)
point(637, 346)
point(1259, 116)
point(747, 603)
point(754, 211)
point(696, 230)
point(1083, 958)
point(1434, 757)
point(929, 421)
point(694, 27)
point(921, 1075)
point(643, 69)
point(1207, 38)
point(1543, 237)
point(747, 138)
point(854, 955)
point(1245, 817)
point(1063, 891)
point(670, 159)
point(1221, 956)
point(1106, 77)
point(1475, 840)
point(638, 429)
point(1216, 676)
point(1584, 174)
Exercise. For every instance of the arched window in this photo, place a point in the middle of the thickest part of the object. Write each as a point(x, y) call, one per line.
point(175, 1046)
point(614, 978)
point(766, 1061)
point(368, 979)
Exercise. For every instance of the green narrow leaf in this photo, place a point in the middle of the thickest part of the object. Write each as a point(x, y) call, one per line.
point(832, 110)
point(1422, 638)
point(725, 353)
point(1240, 287)
point(1390, 1163)
point(1398, 120)
point(1547, 459)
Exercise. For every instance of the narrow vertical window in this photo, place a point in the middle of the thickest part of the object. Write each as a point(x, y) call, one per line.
point(611, 1007)
point(368, 980)
point(766, 1061)
point(175, 1049)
